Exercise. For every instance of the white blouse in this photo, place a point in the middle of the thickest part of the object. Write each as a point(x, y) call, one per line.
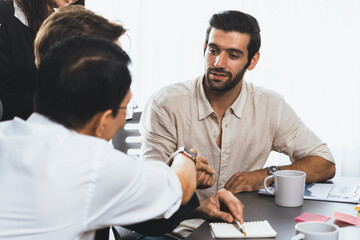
point(58, 184)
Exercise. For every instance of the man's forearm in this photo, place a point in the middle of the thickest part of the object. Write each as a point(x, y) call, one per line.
point(185, 169)
point(161, 226)
point(317, 169)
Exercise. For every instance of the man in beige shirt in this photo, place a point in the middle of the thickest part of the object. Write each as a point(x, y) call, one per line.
point(232, 123)
point(84, 22)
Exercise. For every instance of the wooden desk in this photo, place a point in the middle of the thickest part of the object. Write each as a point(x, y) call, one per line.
point(262, 207)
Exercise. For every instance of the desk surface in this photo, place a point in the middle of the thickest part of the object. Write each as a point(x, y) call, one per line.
point(262, 207)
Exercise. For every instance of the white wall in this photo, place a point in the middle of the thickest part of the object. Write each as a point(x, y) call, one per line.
point(310, 54)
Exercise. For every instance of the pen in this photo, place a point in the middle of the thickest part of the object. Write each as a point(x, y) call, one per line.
point(239, 227)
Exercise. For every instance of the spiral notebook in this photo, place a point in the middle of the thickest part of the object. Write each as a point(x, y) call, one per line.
point(253, 229)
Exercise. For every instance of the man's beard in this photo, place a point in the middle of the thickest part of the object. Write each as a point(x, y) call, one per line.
point(228, 84)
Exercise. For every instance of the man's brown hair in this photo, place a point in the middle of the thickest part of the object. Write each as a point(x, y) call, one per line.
point(73, 20)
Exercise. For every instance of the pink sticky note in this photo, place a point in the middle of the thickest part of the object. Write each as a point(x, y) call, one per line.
point(346, 218)
point(307, 217)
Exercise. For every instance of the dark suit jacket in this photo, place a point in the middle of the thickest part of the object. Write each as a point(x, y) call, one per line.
point(17, 67)
point(157, 227)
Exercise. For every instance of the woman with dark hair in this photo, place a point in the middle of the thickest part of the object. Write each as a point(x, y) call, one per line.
point(19, 22)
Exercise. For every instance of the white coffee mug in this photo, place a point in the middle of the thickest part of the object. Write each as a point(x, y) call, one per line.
point(316, 231)
point(289, 187)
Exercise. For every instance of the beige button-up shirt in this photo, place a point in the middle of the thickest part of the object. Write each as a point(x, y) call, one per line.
point(258, 122)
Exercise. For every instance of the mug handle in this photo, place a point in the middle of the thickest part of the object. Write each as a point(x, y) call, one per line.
point(298, 236)
point(265, 185)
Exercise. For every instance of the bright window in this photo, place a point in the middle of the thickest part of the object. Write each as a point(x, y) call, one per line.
point(310, 54)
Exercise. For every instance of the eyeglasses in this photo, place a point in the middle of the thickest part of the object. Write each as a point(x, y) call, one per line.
point(130, 109)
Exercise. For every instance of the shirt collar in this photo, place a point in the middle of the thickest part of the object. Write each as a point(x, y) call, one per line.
point(238, 105)
point(19, 14)
point(57, 128)
point(205, 108)
point(41, 119)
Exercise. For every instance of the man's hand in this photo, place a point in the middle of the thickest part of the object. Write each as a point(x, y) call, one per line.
point(246, 181)
point(210, 208)
point(205, 175)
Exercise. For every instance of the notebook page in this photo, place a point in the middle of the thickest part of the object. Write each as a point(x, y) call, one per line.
point(253, 229)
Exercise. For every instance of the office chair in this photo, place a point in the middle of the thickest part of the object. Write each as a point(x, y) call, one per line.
point(127, 140)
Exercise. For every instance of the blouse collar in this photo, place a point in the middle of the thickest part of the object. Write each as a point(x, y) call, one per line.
point(19, 14)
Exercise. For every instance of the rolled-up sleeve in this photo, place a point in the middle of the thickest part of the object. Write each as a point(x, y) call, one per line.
point(295, 139)
point(158, 132)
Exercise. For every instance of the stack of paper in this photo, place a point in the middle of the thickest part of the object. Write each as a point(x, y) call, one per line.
point(328, 192)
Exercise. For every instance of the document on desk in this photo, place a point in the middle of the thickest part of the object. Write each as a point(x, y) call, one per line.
point(253, 229)
point(329, 192)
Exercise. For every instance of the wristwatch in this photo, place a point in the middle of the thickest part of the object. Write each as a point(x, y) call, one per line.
point(182, 150)
point(272, 169)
